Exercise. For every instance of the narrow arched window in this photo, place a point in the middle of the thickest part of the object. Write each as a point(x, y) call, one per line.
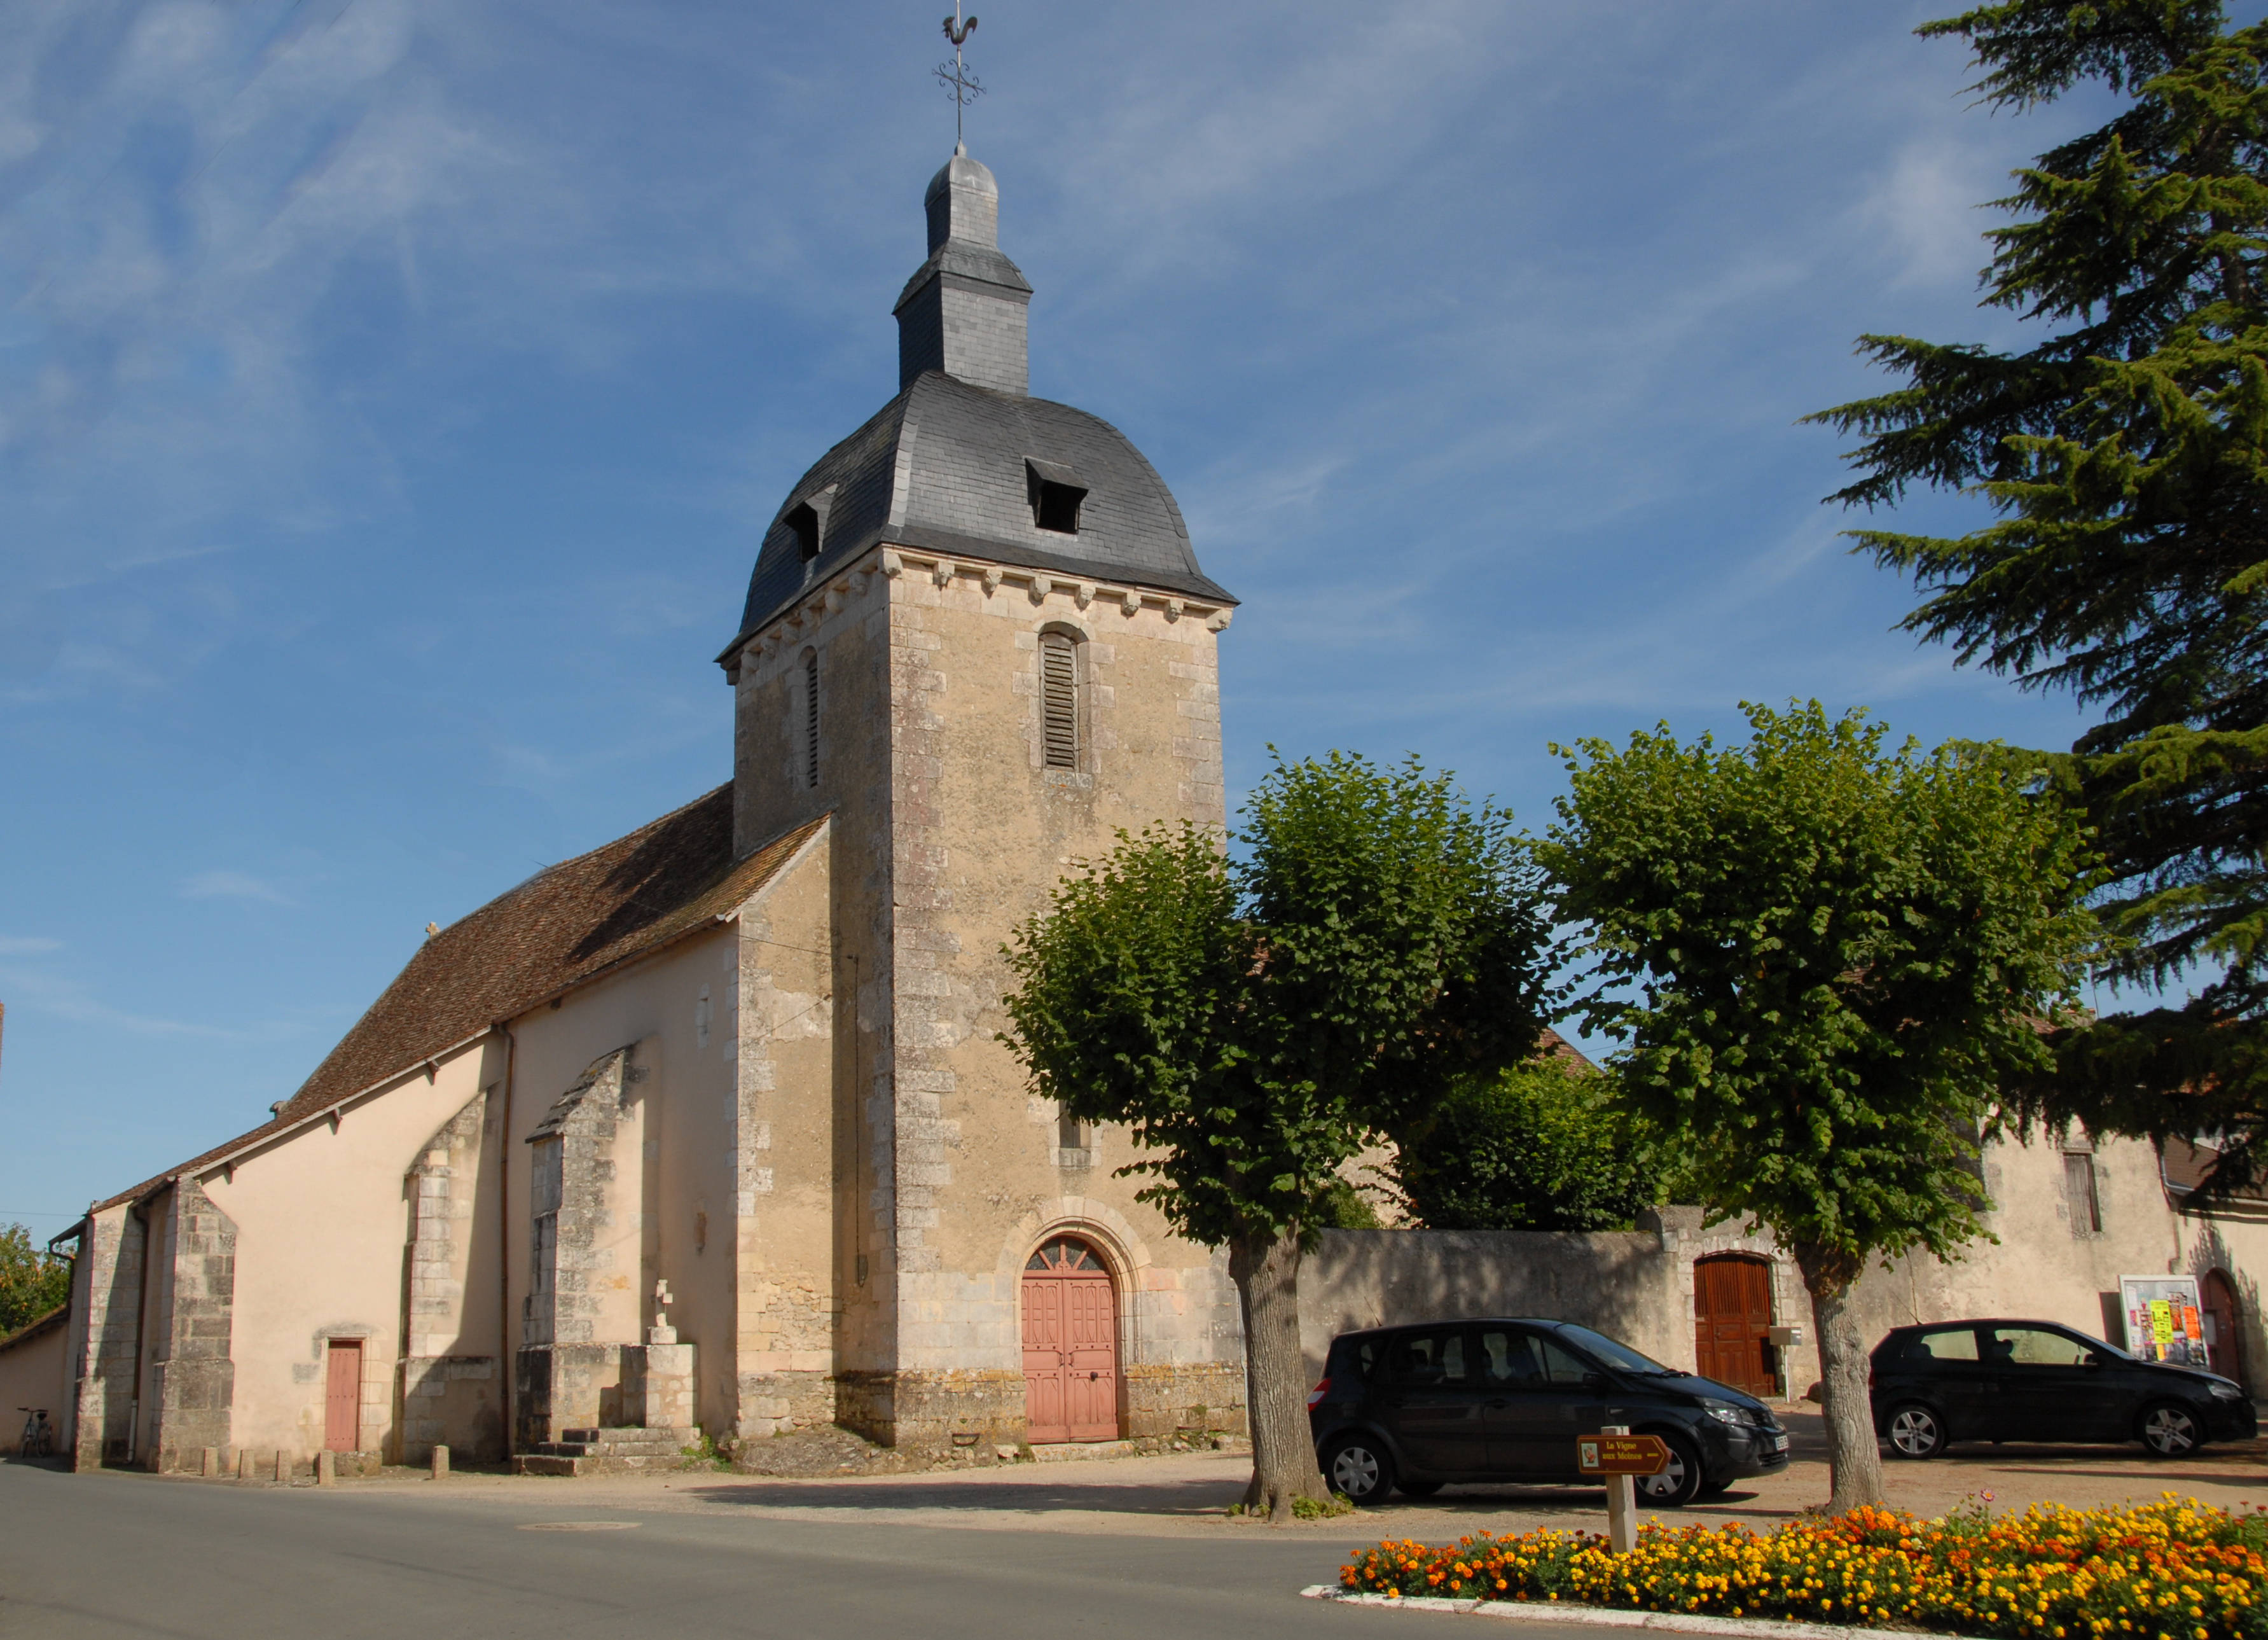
point(1060, 699)
point(811, 716)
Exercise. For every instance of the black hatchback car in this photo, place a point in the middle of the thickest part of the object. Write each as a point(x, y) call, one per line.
point(2036, 1381)
point(1413, 1408)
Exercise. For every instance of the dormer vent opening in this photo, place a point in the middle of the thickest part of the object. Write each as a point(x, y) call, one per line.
point(807, 519)
point(805, 522)
point(1057, 494)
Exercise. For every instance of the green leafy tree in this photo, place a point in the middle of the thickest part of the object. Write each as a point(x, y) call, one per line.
point(1823, 959)
point(31, 1283)
point(2124, 455)
point(1540, 1145)
point(1255, 1022)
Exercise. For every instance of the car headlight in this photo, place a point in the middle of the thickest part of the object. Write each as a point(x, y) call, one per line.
point(1725, 1412)
point(2226, 1392)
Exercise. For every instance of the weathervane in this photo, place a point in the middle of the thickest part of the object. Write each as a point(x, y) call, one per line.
point(959, 82)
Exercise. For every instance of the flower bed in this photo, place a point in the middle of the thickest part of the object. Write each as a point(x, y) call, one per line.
point(2171, 1571)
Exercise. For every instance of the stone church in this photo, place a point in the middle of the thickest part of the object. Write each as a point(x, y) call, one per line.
point(708, 1132)
point(710, 1126)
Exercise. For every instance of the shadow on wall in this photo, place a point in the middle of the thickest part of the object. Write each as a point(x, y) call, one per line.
point(1618, 1281)
point(2210, 1252)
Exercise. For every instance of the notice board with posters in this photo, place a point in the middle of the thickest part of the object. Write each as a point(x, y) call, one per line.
point(2163, 1321)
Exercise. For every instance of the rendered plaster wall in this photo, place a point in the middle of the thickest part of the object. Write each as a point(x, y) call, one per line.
point(672, 1155)
point(2045, 1268)
point(35, 1372)
point(1639, 1286)
point(2233, 1238)
point(323, 1227)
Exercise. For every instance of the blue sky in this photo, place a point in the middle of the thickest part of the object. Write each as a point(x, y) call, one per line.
point(392, 394)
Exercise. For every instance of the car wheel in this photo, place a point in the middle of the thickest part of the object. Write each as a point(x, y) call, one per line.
point(1358, 1469)
point(1417, 1489)
point(2171, 1429)
point(1677, 1485)
point(1915, 1432)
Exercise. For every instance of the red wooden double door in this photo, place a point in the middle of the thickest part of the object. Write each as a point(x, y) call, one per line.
point(1733, 1321)
point(1070, 1344)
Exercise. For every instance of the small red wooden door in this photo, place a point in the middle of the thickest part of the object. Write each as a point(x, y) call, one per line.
point(1732, 1319)
point(1071, 1344)
point(2223, 1344)
point(343, 1397)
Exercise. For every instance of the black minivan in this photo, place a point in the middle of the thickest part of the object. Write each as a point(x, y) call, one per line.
point(2038, 1381)
point(1414, 1408)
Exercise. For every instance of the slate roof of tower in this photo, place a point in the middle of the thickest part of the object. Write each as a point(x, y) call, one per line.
point(562, 928)
point(940, 467)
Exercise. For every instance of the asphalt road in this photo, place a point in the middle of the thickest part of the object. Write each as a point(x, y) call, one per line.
point(121, 1555)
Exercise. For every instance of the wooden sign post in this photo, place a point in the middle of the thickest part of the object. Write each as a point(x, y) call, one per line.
point(1616, 1454)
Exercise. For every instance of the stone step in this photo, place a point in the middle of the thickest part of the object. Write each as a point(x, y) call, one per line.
point(1064, 1451)
point(563, 1464)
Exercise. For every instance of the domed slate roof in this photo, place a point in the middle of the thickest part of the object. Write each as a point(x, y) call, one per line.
point(957, 463)
point(945, 467)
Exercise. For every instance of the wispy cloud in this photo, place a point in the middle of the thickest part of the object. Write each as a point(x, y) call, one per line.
point(27, 945)
point(222, 884)
point(39, 993)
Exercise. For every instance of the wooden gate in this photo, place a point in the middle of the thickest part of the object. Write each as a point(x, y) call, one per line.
point(1732, 1322)
point(2224, 1346)
point(342, 1396)
point(1070, 1344)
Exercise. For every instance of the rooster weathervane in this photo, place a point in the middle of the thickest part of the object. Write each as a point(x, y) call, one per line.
point(959, 82)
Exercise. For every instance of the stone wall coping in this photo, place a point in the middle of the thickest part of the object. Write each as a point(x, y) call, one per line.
point(890, 561)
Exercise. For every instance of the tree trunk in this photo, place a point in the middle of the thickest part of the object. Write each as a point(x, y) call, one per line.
point(1265, 1267)
point(1854, 1462)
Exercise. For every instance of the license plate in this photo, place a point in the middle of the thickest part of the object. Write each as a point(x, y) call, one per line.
point(1778, 1443)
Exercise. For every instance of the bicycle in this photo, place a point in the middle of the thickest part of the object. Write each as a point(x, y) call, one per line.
point(39, 1435)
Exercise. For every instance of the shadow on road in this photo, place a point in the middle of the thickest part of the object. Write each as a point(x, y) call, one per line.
point(1205, 1496)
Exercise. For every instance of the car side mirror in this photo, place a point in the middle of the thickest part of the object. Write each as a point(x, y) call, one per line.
point(1594, 1380)
point(2090, 1359)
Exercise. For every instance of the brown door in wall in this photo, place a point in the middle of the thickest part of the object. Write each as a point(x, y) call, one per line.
point(343, 1397)
point(1732, 1321)
point(1070, 1344)
point(2223, 1344)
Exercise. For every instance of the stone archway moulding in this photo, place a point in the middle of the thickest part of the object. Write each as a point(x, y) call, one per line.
point(1129, 1256)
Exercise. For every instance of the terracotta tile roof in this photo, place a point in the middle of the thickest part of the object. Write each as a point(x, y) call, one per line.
point(1551, 1045)
point(2188, 1165)
point(562, 928)
point(37, 1327)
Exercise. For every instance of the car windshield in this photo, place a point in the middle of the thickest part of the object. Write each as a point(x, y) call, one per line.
point(2093, 1342)
point(1614, 1353)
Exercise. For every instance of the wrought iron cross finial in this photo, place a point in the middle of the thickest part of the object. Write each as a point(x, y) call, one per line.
point(959, 82)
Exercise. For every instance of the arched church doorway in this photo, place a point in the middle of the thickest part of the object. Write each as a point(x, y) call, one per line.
point(1732, 1322)
point(1071, 1343)
point(2224, 1346)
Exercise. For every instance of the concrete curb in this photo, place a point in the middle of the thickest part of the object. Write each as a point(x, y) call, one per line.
point(1614, 1617)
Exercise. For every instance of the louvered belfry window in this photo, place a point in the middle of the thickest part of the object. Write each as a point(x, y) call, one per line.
point(811, 718)
point(1059, 698)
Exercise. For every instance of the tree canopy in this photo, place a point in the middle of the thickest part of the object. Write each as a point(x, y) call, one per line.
point(1255, 1022)
point(2125, 457)
point(32, 1283)
point(1540, 1145)
point(1823, 958)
